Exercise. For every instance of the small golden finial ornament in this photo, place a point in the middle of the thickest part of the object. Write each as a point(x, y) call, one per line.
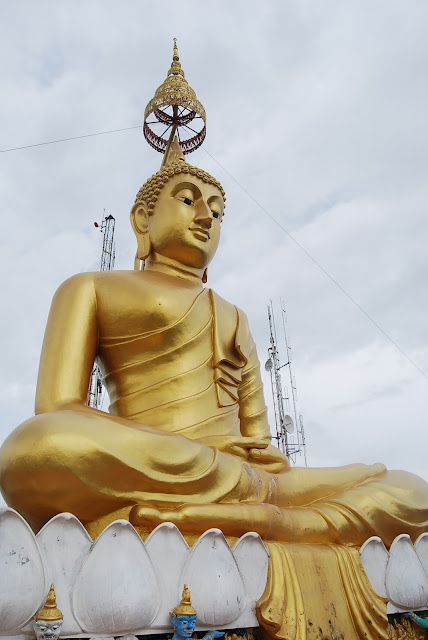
point(175, 69)
point(174, 109)
point(49, 611)
point(47, 623)
point(185, 607)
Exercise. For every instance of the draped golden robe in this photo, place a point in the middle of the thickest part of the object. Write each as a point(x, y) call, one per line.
point(170, 387)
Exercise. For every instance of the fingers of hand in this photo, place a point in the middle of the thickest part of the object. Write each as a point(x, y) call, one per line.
point(252, 443)
point(266, 456)
point(268, 460)
point(237, 451)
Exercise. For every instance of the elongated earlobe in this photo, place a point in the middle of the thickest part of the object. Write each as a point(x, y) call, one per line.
point(143, 245)
point(138, 264)
point(140, 226)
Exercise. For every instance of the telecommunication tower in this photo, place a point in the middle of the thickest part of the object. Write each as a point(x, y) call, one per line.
point(107, 264)
point(290, 434)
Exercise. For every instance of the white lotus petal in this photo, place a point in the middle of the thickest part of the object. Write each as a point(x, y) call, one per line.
point(23, 586)
point(421, 548)
point(65, 544)
point(406, 582)
point(116, 590)
point(212, 575)
point(168, 552)
point(252, 559)
point(374, 558)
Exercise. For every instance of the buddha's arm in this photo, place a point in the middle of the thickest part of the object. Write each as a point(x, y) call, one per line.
point(69, 346)
point(253, 445)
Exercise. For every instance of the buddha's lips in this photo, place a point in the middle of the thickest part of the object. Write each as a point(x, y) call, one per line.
point(204, 232)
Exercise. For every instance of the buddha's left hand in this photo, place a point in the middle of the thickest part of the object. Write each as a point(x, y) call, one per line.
point(234, 445)
point(270, 459)
point(257, 451)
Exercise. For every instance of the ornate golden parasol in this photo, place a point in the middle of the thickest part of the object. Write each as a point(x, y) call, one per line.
point(174, 109)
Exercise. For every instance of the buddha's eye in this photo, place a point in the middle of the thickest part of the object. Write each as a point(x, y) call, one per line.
point(187, 201)
point(215, 214)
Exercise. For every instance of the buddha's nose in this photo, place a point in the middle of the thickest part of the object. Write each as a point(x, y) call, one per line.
point(203, 214)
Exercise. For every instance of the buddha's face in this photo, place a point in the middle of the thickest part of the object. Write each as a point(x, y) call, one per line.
point(184, 626)
point(47, 629)
point(185, 223)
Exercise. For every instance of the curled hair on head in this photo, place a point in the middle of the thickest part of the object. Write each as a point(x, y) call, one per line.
point(150, 190)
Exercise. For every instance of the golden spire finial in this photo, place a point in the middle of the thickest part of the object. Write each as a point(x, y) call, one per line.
point(175, 69)
point(185, 607)
point(49, 611)
point(176, 107)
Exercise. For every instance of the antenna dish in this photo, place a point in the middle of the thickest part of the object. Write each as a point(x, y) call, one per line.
point(268, 365)
point(288, 424)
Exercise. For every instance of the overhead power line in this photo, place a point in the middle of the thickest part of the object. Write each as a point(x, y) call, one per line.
point(302, 248)
point(273, 219)
point(86, 135)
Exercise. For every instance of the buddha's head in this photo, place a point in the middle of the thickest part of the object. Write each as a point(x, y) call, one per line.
point(177, 215)
point(183, 617)
point(48, 620)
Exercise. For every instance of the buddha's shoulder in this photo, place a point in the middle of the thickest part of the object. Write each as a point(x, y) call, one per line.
point(97, 281)
point(229, 312)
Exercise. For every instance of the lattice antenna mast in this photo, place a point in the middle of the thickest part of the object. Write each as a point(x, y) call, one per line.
point(108, 252)
point(273, 366)
point(300, 443)
point(289, 434)
point(108, 255)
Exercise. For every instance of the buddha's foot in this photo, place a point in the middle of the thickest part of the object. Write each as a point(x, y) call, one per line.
point(269, 521)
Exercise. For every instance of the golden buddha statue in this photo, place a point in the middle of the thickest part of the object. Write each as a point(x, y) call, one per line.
point(187, 439)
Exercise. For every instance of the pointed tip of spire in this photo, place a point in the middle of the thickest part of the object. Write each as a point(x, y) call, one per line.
point(175, 68)
point(175, 53)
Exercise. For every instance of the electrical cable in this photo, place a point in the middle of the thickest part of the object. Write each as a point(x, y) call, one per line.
point(302, 248)
point(86, 135)
point(273, 219)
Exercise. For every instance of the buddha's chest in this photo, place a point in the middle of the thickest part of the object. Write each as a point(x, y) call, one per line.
point(148, 309)
point(163, 345)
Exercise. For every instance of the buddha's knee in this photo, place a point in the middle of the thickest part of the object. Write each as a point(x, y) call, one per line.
point(34, 445)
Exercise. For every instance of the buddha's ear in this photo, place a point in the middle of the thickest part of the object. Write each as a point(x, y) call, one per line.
point(139, 218)
point(139, 221)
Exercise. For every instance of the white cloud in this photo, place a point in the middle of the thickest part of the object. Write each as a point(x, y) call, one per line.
point(319, 110)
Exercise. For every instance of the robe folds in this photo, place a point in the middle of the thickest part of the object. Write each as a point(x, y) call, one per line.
point(169, 388)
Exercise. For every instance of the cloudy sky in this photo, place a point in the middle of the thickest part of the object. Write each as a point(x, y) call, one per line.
point(316, 110)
